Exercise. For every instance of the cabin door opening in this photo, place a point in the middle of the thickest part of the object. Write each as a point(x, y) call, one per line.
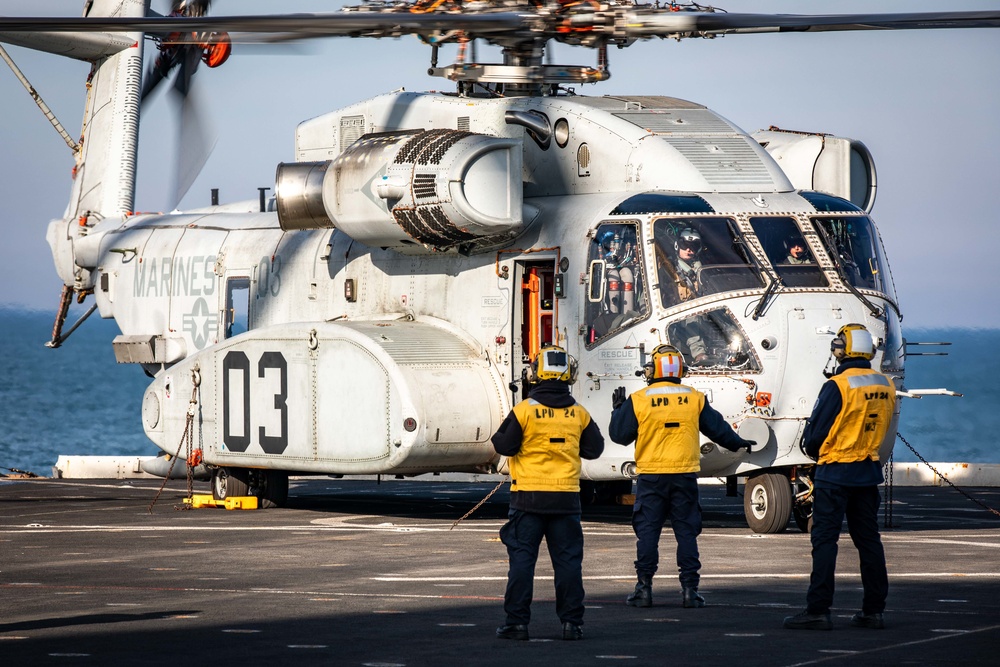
point(236, 317)
point(535, 313)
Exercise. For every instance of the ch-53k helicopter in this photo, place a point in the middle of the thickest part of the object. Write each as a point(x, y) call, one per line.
point(377, 314)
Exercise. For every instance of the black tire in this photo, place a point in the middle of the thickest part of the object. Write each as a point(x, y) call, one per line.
point(803, 515)
point(767, 502)
point(273, 490)
point(230, 483)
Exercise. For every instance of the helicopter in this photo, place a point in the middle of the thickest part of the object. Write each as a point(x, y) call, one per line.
point(376, 315)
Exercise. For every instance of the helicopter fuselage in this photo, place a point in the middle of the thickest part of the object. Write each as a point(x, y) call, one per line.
point(398, 347)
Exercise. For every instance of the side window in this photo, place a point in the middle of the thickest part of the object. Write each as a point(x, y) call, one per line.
point(788, 252)
point(616, 295)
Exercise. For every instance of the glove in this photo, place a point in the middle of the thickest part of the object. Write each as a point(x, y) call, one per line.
point(749, 444)
point(618, 398)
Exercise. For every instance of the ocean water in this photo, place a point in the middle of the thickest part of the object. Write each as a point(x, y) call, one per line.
point(77, 400)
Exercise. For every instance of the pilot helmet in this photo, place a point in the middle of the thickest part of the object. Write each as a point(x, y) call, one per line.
point(853, 342)
point(552, 363)
point(611, 242)
point(666, 362)
point(794, 240)
point(689, 238)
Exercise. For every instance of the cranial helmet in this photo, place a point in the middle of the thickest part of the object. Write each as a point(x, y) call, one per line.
point(688, 238)
point(853, 342)
point(552, 363)
point(666, 362)
point(610, 241)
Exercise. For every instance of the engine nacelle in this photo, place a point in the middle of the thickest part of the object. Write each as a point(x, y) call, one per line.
point(432, 189)
point(812, 161)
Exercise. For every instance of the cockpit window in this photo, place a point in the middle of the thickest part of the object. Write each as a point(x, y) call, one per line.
point(700, 256)
point(788, 252)
point(616, 295)
point(853, 243)
point(712, 342)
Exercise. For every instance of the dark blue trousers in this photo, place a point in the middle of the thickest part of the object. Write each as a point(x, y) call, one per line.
point(831, 503)
point(522, 534)
point(662, 497)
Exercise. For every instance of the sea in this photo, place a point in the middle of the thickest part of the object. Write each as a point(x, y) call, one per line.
point(77, 400)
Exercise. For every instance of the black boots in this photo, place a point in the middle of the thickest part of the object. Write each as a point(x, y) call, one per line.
point(642, 596)
point(513, 632)
point(691, 598)
point(807, 621)
point(572, 631)
point(871, 621)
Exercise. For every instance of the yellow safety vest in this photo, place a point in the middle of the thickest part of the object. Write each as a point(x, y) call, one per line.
point(869, 399)
point(549, 458)
point(668, 428)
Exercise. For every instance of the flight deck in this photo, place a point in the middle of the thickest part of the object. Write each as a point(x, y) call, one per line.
point(357, 572)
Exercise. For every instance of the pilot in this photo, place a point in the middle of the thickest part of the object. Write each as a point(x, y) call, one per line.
point(620, 274)
point(664, 420)
point(545, 436)
point(844, 432)
point(797, 253)
point(688, 247)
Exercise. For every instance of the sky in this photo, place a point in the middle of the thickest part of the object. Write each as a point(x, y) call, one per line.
point(925, 103)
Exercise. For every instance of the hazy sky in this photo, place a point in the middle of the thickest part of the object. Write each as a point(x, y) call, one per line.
point(926, 103)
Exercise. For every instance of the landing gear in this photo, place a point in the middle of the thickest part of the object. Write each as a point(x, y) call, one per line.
point(767, 502)
point(270, 486)
point(802, 506)
point(603, 493)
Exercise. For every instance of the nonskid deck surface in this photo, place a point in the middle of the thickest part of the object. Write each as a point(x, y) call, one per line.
point(360, 573)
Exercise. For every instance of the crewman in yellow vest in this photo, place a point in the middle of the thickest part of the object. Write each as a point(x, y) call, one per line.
point(847, 426)
point(664, 420)
point(544, 438)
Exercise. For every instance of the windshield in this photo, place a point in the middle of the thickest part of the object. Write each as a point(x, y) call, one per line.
point(853, 243)
point(788, 252)
point(700, 256)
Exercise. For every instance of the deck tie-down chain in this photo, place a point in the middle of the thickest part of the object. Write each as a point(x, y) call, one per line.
point(948, 481)
point(480, 503)
point(187, 438)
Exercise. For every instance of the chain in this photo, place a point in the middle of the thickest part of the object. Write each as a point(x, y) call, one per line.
point(186, 438)
point(480, 503)
point(938, 473)
point(888, 486)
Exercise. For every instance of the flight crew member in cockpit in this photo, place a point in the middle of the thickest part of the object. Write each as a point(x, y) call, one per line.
point(688, 247)
point(618, 256)
point(844, 433)
point(797, 253)
point(544, 438)
point(664, 420)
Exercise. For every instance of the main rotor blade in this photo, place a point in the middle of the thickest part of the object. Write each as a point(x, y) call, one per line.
point(575, 23)
point(296, 26)
point(653, 23)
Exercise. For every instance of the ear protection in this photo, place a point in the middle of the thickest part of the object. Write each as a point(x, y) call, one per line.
point(552, 363)
point(853, 342)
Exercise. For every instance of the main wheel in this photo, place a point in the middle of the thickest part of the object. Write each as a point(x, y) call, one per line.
point(273, 488)
point(230, 483)
point(767, 502)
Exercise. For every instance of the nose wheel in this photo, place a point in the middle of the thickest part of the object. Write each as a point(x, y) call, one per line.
point(767, 502)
